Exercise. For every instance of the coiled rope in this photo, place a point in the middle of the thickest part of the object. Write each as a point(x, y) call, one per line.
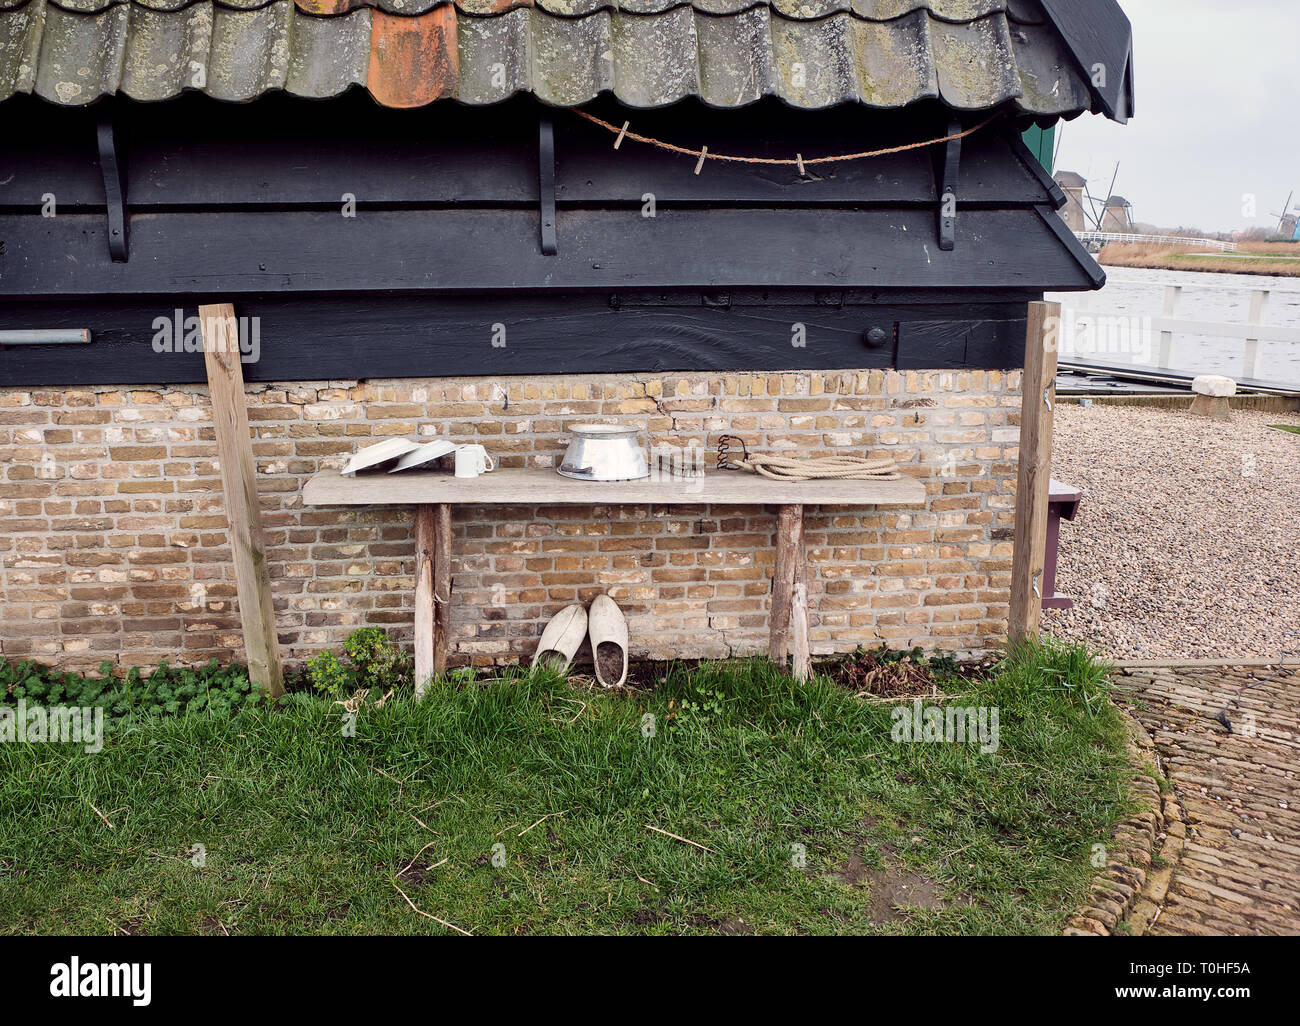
point(822, 468)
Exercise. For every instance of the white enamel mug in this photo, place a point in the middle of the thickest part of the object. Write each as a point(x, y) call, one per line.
point(473, 460)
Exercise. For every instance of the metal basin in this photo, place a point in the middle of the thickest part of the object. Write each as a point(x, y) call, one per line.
point(604, 452)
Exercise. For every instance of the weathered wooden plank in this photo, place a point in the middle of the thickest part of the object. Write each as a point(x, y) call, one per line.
point(932, 344)
point(424, 598)
point(239, 487)
point(789, 556)
point(520, 486)
point(1034, 480)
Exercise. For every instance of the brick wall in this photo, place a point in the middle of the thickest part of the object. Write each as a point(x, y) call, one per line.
point(113, 545)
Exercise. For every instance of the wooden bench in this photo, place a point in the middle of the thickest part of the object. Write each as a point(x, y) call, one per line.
point(433, 494)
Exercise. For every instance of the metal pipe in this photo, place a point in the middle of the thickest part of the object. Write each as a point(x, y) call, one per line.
point(45, 337)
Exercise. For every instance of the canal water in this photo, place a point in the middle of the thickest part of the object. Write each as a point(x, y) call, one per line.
point(1132, 293)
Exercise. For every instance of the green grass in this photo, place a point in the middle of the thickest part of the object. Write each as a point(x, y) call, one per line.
point(1288, 427)
point(305, 829)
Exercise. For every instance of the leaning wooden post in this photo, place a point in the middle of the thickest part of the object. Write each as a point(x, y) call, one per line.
point(1038, 399)
point(789, 555)
point(239, 484)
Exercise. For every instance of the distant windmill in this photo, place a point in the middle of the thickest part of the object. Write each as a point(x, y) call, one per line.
point(1118, 215)
point(1096, 210)
point(1288, 224)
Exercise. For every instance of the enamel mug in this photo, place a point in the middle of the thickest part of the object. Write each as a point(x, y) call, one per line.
point(473, 460)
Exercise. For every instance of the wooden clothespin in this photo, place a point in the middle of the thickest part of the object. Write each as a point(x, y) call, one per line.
point(798, 159)
point(700, 163)
point(621, 132)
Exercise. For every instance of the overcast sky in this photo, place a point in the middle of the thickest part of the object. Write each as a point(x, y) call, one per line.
point(1218, 115)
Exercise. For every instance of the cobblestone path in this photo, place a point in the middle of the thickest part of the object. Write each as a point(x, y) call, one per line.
point(1229, 743)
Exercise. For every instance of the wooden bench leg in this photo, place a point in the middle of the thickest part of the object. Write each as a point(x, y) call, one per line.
point(789, 617)
point(423, 598)
point(432, 591)
point(441, 585)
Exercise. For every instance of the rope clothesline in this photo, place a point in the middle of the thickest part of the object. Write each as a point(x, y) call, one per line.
point(799, 160)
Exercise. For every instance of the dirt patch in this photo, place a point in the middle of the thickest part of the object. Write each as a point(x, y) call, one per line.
point(211, 926)
point(893, 889)
point(416, 875)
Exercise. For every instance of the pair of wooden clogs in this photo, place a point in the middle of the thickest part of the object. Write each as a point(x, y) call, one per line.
point(608, 629)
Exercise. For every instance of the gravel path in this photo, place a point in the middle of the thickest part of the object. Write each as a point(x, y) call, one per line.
point(1187, 544)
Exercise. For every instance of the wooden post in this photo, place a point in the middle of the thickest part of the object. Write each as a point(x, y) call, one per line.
point(432, 591)
point(441, 585)
point(424, 546)
point(1172, 292)
point(1038, 399)
point(1258, 304)
point(239, 485)
point(789, 557)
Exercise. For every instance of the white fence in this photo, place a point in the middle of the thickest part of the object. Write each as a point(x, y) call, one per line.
point(1101, 238)
point(1095, 335)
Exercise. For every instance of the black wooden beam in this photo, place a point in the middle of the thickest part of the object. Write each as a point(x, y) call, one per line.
point(140, 340)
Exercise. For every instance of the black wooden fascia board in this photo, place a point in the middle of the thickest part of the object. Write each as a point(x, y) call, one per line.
point(1072, 244)
point(1026, 156)
point(496, 251)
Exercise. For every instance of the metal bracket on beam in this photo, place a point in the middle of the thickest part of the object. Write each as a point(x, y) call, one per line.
point(546, 185)
point(110, 163)
point(948, 172)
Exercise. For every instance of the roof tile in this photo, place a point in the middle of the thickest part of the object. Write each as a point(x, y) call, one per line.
point(165, 54)
point(20, 47)
point(655, 58)
point(815, 61)
point(414, 61)
point(974, 62)
point(894, 61)
point(329, 54)
point(250, 50)
point(494, 56)
point(736, 63)
point(573, 58)
point(81, 55)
